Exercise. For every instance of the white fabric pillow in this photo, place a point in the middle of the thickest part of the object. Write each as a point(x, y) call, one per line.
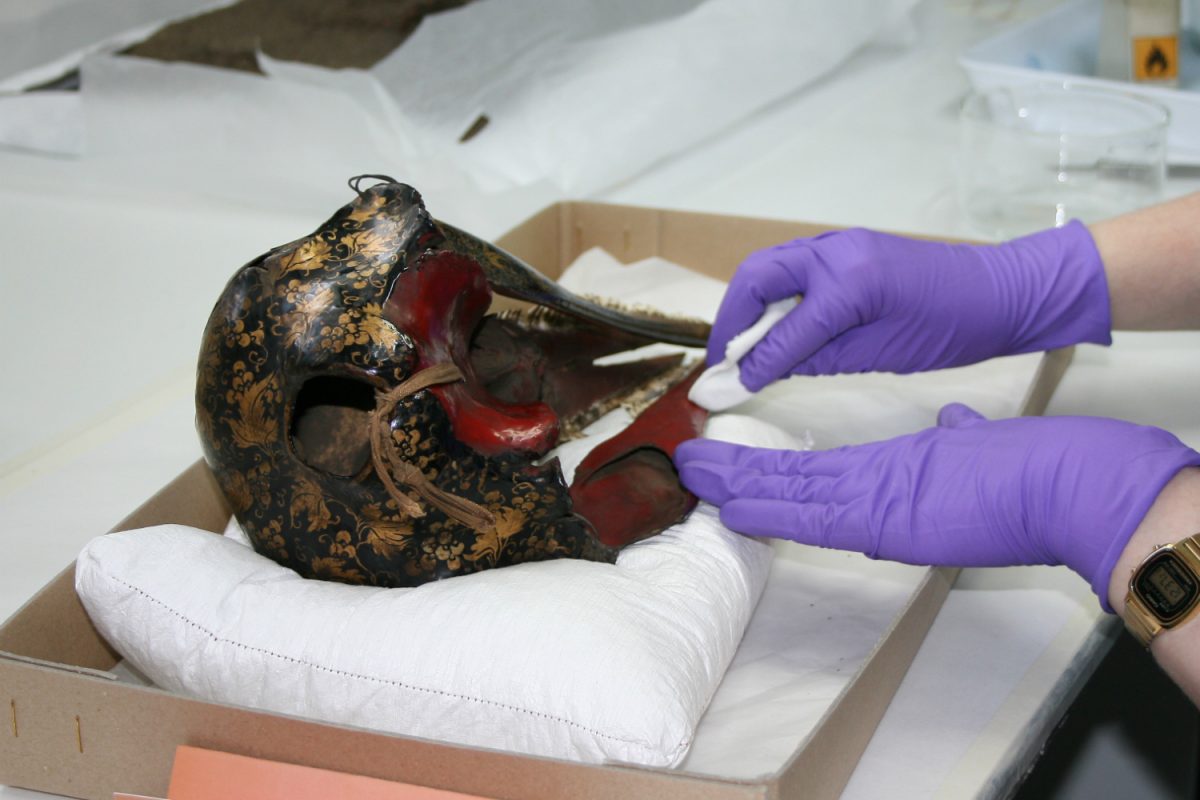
point(566, 658)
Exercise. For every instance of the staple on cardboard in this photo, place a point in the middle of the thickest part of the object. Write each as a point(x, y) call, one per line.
point(16, 731)
point(79, 733)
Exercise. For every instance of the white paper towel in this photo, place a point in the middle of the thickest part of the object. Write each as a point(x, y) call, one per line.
point(40, 41)
point(587, 97)
point(578, 99)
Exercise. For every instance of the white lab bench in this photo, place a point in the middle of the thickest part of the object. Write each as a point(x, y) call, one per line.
point(101, 339)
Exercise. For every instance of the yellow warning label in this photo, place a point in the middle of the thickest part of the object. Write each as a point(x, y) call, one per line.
point(1155, 58)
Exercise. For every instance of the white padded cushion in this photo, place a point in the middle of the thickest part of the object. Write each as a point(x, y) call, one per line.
point(566, 658)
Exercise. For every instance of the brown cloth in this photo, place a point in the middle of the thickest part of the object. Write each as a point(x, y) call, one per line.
point(327, 33)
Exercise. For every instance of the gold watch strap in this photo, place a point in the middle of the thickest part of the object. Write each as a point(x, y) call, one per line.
point(1140, 621)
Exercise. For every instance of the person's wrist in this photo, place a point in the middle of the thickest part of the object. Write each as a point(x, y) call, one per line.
point(1174, 515)
point(1058, 278)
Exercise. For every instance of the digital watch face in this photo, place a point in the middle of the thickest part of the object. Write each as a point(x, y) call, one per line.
point(1167, 587)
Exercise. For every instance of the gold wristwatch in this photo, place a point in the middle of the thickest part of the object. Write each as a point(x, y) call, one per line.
point(1164, 590)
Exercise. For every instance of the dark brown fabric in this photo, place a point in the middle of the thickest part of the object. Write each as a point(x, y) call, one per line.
point(328, 33)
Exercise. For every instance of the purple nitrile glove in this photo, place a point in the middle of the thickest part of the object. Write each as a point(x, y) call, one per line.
point(877, 302)
point(970, 492)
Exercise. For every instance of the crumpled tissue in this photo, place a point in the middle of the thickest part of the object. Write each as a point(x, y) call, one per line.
point(577, 100)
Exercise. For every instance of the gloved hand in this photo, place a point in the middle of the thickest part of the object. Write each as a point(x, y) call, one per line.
point(1032, 490)
point(876, 302)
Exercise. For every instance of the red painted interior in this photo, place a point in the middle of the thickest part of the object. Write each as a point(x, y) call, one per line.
point(438, 303)
point(627, 486)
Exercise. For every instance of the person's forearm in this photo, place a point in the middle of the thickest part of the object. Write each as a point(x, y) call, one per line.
point(1175, 515)
point(1152, 261)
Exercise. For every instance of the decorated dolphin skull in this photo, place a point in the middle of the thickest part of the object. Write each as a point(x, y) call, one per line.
point(369, 423)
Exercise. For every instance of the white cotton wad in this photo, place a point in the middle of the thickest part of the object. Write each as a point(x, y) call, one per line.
point(719, 388)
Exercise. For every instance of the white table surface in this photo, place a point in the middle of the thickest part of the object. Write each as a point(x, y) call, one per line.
point(97, 372)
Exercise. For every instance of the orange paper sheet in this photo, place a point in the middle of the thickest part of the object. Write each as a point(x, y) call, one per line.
point(211, 775)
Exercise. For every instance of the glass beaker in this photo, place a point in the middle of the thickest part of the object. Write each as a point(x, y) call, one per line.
point(1038, 155)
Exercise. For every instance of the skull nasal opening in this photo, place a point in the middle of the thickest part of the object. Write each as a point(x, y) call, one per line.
point(330, 429)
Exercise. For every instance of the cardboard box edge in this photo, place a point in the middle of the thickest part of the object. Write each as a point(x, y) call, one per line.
point(101, 737)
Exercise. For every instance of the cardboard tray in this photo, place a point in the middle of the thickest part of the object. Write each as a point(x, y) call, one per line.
point(67, 726)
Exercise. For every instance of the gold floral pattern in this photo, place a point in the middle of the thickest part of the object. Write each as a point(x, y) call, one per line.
point(308, 503)
point(442, 552)
point(359, 327)
point(312, 254)
point(256, 401)
point(336, 568)
point(488, 547)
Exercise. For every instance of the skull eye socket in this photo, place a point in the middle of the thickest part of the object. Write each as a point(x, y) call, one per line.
point(330, 425)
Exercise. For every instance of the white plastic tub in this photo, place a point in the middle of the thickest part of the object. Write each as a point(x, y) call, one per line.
point(1061, 46)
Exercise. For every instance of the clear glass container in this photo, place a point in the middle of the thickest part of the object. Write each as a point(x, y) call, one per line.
point(1036, 156)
